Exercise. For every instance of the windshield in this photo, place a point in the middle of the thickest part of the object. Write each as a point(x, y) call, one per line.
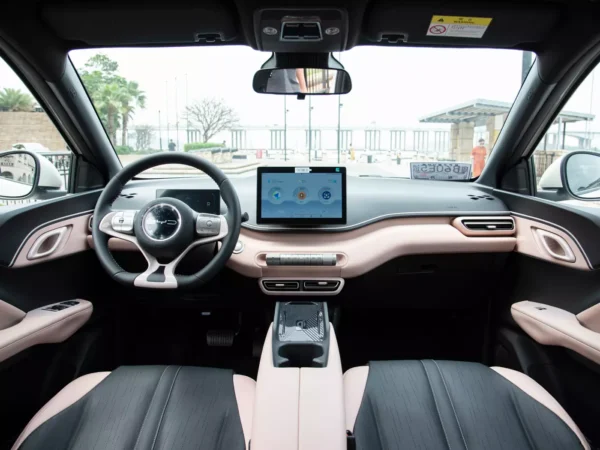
point(407, 106)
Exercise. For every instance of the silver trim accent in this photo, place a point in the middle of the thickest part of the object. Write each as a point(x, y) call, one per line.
point(237, 251)
point(34, 253)
point(542, 235)
point(170, 279)
point(300, 280)
point(151, 209)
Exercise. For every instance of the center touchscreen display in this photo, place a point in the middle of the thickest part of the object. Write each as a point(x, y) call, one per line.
point(301, 195)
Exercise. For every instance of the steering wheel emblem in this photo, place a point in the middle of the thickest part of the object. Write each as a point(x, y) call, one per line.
point(161, 222)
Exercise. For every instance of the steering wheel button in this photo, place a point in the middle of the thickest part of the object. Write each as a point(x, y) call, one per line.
point(209, 223)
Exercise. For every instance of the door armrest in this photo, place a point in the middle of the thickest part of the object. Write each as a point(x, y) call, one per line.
point(48, 324)
point(549, 325)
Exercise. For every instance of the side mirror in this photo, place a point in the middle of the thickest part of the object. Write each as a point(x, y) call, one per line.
point(580, 175)
point(19, 174)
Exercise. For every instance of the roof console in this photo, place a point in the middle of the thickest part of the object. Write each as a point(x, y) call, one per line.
point(301, 30)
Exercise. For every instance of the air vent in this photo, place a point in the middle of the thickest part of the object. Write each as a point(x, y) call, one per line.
point(321, 285)
point(90, 221)
point(281, 285)
point(489, 224)
point(128, 194)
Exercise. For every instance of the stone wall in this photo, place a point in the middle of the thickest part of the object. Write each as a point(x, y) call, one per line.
point(29, 127)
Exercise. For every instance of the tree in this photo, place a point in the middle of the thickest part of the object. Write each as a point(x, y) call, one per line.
point(132, 96)
point(143, 136)
point(115, 98)
point(15, 100)
point(211, 116)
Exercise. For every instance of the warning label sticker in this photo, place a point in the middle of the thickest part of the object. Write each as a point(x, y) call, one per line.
point(458, 26)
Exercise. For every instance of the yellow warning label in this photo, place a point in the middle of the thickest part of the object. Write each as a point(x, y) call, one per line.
point(462, 20)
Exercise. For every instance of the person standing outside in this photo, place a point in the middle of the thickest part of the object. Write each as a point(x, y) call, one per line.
point(478, 157)
point(172, 146)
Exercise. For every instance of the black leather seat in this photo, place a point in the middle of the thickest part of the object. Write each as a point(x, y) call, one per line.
point(453, 405)
point(146, 407)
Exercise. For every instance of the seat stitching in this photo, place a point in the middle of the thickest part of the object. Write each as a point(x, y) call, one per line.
point(164, 409)
point(451, 404)
point(149, 408)
point(517, 410)
point(436, 404)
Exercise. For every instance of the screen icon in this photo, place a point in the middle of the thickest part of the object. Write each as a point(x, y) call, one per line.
point(276, 195)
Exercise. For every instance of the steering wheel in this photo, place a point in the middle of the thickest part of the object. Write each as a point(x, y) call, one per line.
point(165, 229)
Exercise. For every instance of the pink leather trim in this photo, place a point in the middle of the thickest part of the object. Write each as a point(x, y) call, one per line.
point(554, 326)
point(590, 318)
point(276, 404)
point(363, 249)
point(245, 389)
point(538, 393)
point(74, 241)
point(9, 315)
point(527, 243)
point(322, 421)
point(65, 398)
point(43, 327)
point(355, 382)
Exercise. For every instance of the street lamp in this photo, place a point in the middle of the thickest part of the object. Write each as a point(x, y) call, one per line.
point(309, 128)
point(285, 111)
point(339, 136)
point(159, 132)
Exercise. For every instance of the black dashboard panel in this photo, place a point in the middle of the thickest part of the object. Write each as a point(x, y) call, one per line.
point(368, 199)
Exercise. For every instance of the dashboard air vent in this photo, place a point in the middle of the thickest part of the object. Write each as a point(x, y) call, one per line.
point(278, 286)
point(507, 224)
point(90, 221)
point(321, 285)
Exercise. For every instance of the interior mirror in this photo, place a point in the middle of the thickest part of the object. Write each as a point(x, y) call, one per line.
point(580, 174)
point(19, 174)
point(302, 81)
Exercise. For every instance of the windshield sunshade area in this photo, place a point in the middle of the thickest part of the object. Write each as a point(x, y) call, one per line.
point(411, 113)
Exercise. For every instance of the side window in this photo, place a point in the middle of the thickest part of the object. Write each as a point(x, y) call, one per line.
point(25, 126)
point(575, 129)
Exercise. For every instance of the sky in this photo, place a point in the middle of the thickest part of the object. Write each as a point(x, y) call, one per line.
point(392, 87)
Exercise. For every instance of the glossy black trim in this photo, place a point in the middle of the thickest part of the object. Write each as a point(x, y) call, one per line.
point(16, 225)
point(584, 226)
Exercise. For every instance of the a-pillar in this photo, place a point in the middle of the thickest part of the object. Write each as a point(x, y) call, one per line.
point(493, 127)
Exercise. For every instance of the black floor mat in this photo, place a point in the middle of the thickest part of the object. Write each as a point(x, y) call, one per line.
point(390, 334)
point(178, 336)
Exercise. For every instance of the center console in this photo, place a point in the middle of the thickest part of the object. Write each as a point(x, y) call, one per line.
point(299, 403)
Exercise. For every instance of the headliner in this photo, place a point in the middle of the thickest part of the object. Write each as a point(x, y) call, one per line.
point(555, 31)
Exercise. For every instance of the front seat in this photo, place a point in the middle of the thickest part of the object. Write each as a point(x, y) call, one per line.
point(453, 405)
point(146, 407)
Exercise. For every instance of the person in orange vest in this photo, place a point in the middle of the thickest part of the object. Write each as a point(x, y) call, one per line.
point(478, 157)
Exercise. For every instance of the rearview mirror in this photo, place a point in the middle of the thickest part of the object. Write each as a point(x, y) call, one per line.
point(300, 81)
point(19, 174)
point(580, 175)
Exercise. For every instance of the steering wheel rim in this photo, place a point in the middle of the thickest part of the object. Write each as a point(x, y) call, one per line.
point(228, 233)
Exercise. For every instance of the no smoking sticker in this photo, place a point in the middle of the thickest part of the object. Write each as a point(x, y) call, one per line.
point(458, 26)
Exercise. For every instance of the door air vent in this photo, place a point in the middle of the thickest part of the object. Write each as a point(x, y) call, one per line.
point(499, 224)
point(281, 285)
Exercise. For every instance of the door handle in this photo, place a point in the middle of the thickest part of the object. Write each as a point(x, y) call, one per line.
point(47, 243)
point(554, 245)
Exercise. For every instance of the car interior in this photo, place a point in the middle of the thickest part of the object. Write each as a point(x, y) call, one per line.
point(221, 312)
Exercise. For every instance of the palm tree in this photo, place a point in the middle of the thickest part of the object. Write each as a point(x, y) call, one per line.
point(132, 96)
point(15, 100)
point(108, 100)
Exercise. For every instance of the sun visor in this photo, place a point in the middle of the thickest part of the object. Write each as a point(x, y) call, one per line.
point(140, 24)
point(454, 25)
